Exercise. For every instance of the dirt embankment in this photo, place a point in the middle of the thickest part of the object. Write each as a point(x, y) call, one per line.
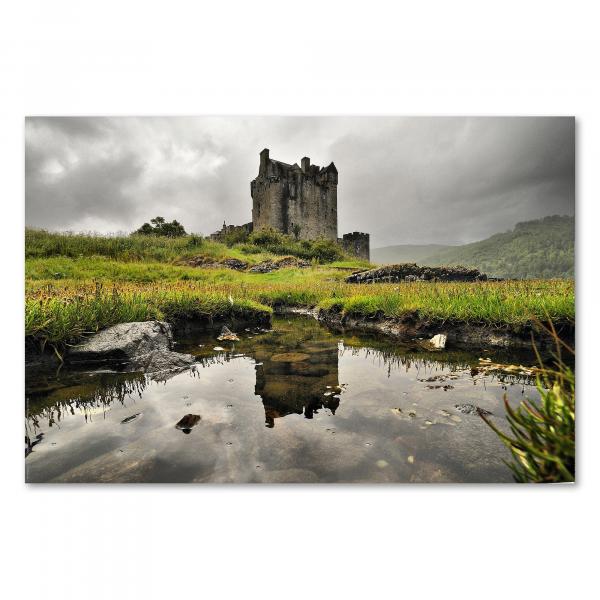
point(413, 327)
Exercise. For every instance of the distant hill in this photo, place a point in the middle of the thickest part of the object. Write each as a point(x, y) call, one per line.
point(543, 248)
point(402, 253)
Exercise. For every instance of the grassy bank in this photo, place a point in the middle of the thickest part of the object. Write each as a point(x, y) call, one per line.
point(63, 310)
point(62, 315)
point(77, 284)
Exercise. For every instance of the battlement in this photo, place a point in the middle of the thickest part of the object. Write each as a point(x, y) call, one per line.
point(356, 243)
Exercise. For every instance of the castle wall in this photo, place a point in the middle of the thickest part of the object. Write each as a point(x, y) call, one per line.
point(357, 243)
point(285, 195)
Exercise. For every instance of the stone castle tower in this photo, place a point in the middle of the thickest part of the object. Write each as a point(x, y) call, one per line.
point(296, 200)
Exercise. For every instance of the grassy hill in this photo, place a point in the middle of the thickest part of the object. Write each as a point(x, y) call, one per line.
point(544, 248)
point(402, 253)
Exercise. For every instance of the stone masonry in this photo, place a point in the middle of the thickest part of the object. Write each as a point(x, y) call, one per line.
point(295, 200)
point(298, 200)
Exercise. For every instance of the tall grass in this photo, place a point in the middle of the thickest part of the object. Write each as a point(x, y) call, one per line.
point(542, 435)
point(78, 283)
point(61, 310)
point(41, 244)
point(44, 244)
point(63, 315)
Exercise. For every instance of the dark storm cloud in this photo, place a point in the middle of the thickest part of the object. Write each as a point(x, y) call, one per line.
point(404, 180)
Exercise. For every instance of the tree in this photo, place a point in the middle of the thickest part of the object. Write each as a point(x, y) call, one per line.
point(296, 230)
point(161, 227)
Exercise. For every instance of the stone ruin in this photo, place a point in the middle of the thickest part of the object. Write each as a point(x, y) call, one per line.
point(300, 201)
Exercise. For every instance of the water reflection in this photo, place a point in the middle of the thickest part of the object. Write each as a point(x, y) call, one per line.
point(296, 373)
point(373, 394)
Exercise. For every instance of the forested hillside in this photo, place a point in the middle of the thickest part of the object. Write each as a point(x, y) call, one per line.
point(543, 248)
point(404, 253)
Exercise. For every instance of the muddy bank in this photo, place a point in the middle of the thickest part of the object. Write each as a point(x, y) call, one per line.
point(45, 356)
point(412, 327)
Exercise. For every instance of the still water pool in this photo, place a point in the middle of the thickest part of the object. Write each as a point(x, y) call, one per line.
point(299, 403)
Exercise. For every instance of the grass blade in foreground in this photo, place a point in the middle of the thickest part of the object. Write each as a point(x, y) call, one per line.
point(543, 437)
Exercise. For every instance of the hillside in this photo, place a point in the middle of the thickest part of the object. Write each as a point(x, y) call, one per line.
point(544, 248)
point(404, 253)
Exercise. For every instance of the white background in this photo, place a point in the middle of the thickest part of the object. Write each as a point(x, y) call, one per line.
point(418, 58)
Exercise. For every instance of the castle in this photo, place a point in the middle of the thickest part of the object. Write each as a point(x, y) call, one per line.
point(299, 201)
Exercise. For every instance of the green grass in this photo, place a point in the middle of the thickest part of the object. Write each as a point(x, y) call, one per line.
point(41, 244)
point(78, 284)
point(61, 316)
point(542, 434)
point(63, 310)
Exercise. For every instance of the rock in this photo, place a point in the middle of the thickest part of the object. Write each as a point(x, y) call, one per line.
point(187, 423)
point(138, 346)
point(130, 418)
point(268, 266)
point(228, 335)
point(207, 262)
point(263, 267)
point(439, 340)
point(411, 272)
point(30, 443)
point(471, 409)
point(235, 264)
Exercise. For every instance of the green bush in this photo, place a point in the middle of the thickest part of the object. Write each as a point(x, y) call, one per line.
point(266, 237)
point(321, 250)
point(161, 227)
point(239, 236)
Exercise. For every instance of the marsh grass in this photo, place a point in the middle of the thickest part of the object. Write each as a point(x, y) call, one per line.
point(60, 316)
point(66, 309)
point(77, 284)
point(542, 434)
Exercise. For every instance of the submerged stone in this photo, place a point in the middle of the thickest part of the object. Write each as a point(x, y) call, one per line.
point(290, 357)
point(471, 409)
point(187, 423)
point(228, 335)
point(131, 418)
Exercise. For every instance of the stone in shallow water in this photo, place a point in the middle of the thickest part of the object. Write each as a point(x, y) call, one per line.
point(438, 341)
point(227, 335)
point(187, 423)
point(471, 409)
point(142, 346)
point(131, 418)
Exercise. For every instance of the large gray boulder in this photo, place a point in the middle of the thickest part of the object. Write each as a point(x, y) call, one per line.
point(144, 346)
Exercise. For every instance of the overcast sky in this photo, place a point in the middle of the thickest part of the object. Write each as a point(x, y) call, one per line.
point(404, 180)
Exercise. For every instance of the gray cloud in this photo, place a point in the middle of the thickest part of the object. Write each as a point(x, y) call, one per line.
point(404, 180)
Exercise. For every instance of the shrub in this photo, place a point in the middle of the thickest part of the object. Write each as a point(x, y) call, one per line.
point(269, 240)
point(194, 241)
point(238, 236)
point(266, 237)
point(161, 227)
